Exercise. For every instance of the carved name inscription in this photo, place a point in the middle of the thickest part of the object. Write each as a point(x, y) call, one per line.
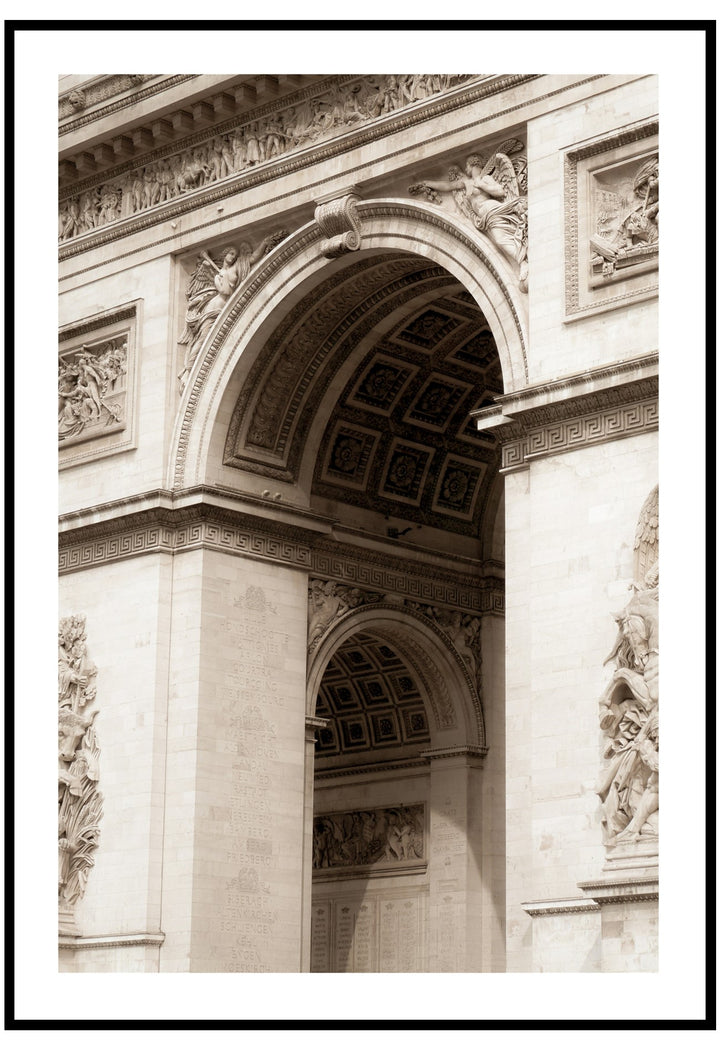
point(382, 932)
point(252, 705)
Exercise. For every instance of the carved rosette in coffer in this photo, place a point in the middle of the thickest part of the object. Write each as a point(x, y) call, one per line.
point(338, 219)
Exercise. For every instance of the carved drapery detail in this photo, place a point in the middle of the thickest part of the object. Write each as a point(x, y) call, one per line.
point(490, 194)
point(210, 286)
point(339, 222)
point(79, 802)
point(246, 146)
point(629, 786)
point(378, 836)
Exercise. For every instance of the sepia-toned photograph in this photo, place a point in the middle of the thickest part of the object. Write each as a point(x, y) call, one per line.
point(360, 512)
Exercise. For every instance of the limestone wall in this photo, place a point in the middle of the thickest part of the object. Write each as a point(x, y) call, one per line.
point(571, 526)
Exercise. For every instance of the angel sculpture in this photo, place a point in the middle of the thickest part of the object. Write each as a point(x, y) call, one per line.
point(492, 195)
point(209, 288)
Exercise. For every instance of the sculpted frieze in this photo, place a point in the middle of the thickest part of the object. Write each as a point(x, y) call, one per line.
point(376, 837)
point(629, 786)
point(245, 147)
point(79, 802)
point(491, 194)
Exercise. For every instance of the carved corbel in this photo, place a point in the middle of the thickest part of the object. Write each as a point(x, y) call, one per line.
point(338, 219)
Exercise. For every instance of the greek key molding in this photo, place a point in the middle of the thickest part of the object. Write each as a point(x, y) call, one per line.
point(629, 889)
point(597, 428)
point(164, 529)
point(596, 407)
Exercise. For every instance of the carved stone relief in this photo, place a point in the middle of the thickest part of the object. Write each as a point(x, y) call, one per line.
point(92, 389)
point(327, 602)
point(629, 786)
point(463, 632)
point(245, 147)
point(491, 194)
point(210, 286)
point(376, 837)
point(79, 802)
point(612, 230)
point(626, 207)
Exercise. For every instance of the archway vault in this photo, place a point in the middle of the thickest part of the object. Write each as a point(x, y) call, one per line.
point(447, 681)
point(248, 398)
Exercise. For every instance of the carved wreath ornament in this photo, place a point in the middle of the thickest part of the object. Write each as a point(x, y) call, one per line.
point(79, 801)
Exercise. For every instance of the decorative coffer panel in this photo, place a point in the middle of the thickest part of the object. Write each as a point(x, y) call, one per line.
point(97, 379)
point(79, 801)
point(612, 220)
point(387, 839)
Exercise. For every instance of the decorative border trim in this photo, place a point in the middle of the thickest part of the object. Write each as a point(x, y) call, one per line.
point(600, 427)
point(630, 889)
point(574, 309)
point(472, 752)
point(556, 907)
point(173, 530)
point(99, 942)
point(138, 95)
point(575, 412)
point(402, 764)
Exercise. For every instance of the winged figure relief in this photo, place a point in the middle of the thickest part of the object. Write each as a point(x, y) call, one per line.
point(211, 284)
point(491, 193)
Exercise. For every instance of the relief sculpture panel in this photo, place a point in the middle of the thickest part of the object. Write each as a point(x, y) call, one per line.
point(382, 837)
point(79, 802)
point(629, 785)
point(307, 122)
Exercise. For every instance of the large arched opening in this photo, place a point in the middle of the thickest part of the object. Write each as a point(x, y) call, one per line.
point(341, 392)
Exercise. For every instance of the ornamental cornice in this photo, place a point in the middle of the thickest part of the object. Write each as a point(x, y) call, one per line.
point(558, 907)
point(370, 131)
point(99, 942)
point(594, 407)
point(627, 889)
point(97, 91)
point(166, 524)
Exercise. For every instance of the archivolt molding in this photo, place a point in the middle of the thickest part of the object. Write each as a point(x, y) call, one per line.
point(429, 653)
point(387, 225)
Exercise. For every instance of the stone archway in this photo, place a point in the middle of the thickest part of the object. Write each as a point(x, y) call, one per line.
point(290, 272)
point(399, 879)
point(289, 363)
